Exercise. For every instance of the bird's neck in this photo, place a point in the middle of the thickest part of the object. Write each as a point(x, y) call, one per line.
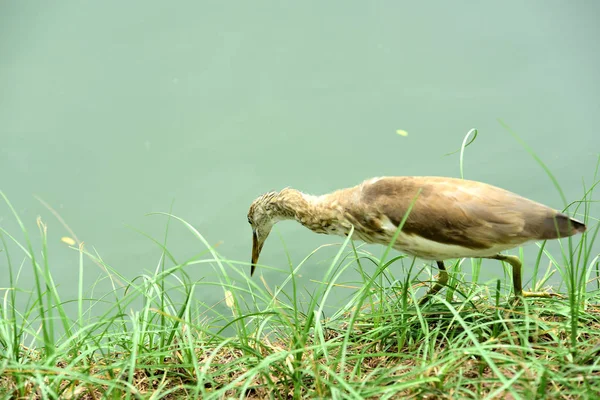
point(314, 212)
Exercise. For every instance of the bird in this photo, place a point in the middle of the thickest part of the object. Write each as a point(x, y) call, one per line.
point(444, 218)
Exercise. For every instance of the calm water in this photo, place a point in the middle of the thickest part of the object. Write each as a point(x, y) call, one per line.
point(111, 110)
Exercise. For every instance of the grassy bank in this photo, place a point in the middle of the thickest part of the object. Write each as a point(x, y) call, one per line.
point(472, 341)
point(153, 337)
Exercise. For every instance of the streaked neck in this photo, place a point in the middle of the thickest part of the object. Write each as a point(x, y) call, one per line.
point(311, 211)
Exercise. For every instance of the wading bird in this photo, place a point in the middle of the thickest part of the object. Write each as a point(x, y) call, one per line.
point(449, 218)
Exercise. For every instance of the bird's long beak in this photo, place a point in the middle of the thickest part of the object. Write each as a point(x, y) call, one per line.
point(256, 247)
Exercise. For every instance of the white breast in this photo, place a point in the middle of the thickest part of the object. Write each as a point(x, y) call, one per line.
point(428, 249)
point(431, 250)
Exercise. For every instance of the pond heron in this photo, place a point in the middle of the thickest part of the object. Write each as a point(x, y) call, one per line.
point(447, 218)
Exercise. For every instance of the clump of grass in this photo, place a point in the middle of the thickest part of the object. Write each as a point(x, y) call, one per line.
point(155, 339)
point(271, 343)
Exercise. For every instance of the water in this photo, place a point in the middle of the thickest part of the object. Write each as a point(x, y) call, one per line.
point(111, 110)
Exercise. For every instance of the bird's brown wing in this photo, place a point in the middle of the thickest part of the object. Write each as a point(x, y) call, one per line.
point(453, 211)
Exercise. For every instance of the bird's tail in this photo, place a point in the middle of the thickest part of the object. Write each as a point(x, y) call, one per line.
point(561, 225)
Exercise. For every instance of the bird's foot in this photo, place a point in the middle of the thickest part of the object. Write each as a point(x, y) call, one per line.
point(542, 295)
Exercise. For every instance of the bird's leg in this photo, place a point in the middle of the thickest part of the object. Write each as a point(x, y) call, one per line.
point(515, 263)
point(439, 284)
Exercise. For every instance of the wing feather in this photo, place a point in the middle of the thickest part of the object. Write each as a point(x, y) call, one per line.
point(455, 211)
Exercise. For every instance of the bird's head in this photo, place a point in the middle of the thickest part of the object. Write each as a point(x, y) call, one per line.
point(261, 217)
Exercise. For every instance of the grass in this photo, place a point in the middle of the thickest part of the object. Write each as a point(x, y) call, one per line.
point(152, 338)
